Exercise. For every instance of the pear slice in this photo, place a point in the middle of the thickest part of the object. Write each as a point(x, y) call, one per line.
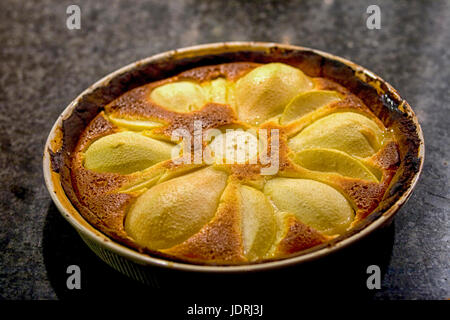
point(307, 102)
point(265, 91)
point(350, 132)
point(330, 160)
point(314, 203)
point(136, 125)
point(182, 96)
point(259, 225)
point(125, 152)
point(216, 90)
point(171, 212)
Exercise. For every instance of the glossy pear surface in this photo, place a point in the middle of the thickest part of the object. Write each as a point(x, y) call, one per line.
point(172, 211)
point(349, 132)
point(265, 91)
point(307, 102)
point(314, 203)
point(258, 222)
point(330, 160)
point(182, 96)
point(136, 125)
point(125, 152)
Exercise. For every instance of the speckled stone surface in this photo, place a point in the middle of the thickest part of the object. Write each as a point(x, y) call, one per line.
point(43, 66)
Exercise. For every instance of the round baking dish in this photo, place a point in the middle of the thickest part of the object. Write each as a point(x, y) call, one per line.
point(383, 100)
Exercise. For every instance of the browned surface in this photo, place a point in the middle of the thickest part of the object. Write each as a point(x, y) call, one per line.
point(299, 237)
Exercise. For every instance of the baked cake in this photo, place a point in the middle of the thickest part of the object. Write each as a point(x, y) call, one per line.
point(334, 162)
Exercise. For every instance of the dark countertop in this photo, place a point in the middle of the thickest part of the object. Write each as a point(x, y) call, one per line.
point(43, 66)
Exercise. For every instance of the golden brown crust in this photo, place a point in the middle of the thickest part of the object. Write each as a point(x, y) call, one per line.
point(388, 157)
point(212, 115)
point(97, 128)
point(230, 71)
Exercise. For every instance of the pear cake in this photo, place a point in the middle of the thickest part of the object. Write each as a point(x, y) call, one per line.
point(335, 162)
